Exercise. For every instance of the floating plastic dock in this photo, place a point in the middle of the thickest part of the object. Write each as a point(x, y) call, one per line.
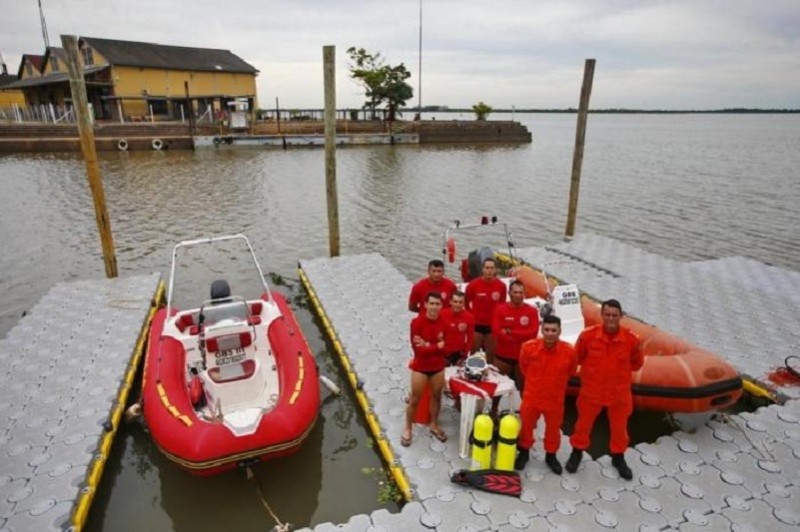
point(66, 371)
point(739, 472)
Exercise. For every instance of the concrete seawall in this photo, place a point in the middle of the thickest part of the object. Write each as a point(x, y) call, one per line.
point(122, 137)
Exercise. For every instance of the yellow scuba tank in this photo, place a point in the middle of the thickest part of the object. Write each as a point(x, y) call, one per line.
point(482, 431)
point(507, 442)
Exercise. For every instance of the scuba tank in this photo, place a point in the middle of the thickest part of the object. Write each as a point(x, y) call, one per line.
point(482, 431)
point(507, 442)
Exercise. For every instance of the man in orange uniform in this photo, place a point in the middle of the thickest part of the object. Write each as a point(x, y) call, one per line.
point(483, 294)
point(427, 366)
point(434, 282)
point(607, 354)
point(546, 363)
point(459, 329)
point(512, 324)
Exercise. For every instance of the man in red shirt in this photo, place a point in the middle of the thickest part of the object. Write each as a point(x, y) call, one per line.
point(483, 294)
point(512, 324)
point(546, 364)
point(434, 282)
point(427, 366)
point(608, 354)
point(459, 329)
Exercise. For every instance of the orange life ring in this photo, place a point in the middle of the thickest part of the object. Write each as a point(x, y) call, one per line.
point(451, 249)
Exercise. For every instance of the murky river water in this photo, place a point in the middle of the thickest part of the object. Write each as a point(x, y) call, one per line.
point(685, 186)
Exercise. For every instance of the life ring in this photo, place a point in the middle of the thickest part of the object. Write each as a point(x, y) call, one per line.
point(157, 144)
point(451, 249)
point(122, 145)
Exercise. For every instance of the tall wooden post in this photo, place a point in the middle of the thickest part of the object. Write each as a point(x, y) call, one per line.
point(191, 110)
point(81, 105)
point(329, 69)
point(278, 114)
point(577, 157)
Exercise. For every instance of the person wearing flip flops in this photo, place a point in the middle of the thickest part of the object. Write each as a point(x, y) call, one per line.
point(427, 366)
point(608, 355)
point(546, 364)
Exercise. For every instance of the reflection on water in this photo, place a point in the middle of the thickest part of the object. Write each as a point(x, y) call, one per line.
point(684, 186)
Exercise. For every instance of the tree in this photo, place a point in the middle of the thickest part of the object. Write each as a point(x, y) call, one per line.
point(383, 84)
point(481, 110)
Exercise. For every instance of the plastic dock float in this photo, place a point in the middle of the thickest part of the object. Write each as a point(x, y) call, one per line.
point(738, 472)
point(66, 371)
point(739, 308)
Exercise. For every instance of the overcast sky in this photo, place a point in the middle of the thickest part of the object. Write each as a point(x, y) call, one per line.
point(681, 54)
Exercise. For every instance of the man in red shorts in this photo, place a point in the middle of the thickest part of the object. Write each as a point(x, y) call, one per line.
point(459, 329)
point(483, 294)
point(427, 366)
point(434, 282)
point(608, 354)
point(546, 364)
point(513, 323)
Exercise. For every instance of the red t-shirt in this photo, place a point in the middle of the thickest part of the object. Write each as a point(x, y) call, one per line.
point(547, 372)
point(511, 326)
point(423, 287)
point(459, 331)
point(427, 357)
point(482, 296)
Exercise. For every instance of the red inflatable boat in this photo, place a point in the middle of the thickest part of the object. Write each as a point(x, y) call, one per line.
point(231, 382)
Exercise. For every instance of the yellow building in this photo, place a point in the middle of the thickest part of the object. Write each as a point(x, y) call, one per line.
point(11, 97)
point(137, 80)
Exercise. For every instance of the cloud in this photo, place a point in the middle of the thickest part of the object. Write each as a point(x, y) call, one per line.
point(528, 53)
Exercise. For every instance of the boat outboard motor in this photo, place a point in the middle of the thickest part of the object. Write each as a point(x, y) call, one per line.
point(220, 292)
point(475, 262)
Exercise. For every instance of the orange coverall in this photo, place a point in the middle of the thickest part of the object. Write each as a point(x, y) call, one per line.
point(546, 374)
point(607, 362)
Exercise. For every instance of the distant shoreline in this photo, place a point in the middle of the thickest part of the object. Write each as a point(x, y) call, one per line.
point(625, 111)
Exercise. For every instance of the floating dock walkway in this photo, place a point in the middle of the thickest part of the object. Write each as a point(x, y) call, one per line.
point(66, 371)
point(738, 472)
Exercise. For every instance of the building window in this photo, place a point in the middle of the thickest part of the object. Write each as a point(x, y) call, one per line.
point(88, 56)
point(54, 64)
point(28, 68)
point(159, 106)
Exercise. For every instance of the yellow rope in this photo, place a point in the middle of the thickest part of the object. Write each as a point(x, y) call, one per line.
point(280, 527)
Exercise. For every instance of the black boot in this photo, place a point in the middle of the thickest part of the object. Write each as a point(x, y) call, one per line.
point(574, 460)
point(618, 461)
point(522, 458)
point(553, 463)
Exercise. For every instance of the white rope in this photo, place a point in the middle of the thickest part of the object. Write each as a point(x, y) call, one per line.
point(280, 527)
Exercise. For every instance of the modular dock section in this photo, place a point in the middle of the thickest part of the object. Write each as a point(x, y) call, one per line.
point(66, 371)
point(737, 472)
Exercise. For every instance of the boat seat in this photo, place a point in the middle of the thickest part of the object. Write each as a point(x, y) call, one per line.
point(567, 306)
point(228, 342)
point(188, 322)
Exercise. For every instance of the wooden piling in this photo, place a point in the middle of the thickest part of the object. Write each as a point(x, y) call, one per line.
point(329, 69)
point(191, 110)
point(577, 157)
point(86, 131)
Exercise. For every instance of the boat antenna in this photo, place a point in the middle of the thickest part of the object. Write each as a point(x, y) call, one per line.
point(44, 27)
point(419, 76)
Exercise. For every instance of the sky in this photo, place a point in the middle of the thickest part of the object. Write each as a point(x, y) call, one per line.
point(658, 54)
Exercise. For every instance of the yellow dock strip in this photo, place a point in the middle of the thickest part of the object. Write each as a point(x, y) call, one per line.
point(84, 501)
point(383, 444)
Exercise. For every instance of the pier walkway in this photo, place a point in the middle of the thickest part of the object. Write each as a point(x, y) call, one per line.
point(738, 472)
point(66, 371)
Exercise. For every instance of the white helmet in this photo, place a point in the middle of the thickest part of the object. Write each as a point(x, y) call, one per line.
point(475, 366)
